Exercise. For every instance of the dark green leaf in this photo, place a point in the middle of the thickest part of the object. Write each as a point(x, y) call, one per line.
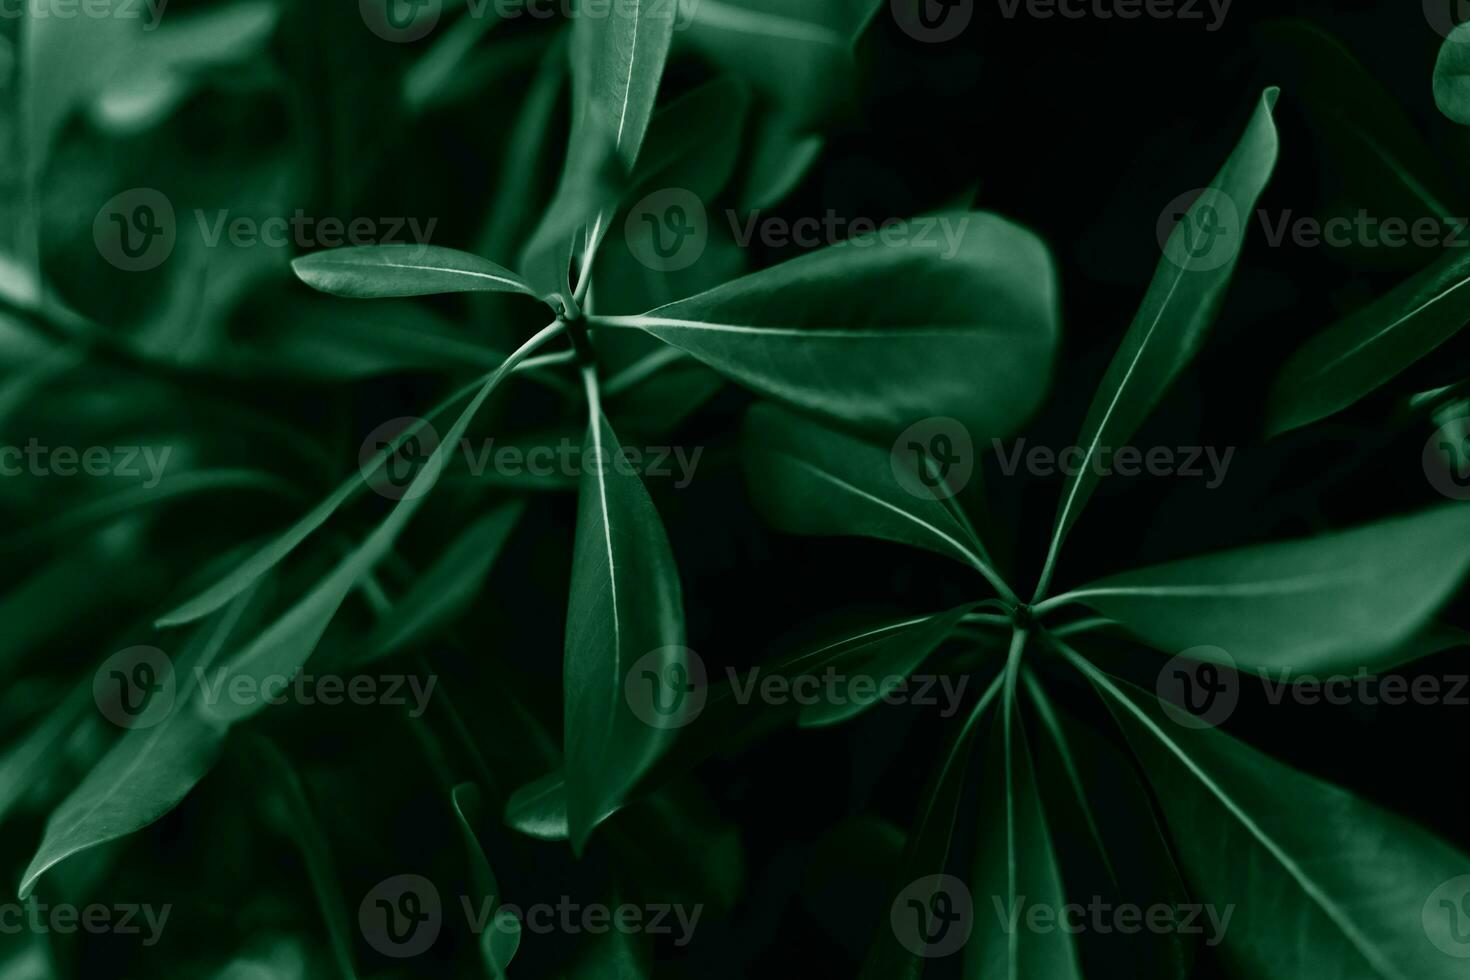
point(379, 271)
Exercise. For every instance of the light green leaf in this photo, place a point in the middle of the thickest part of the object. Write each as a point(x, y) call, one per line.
point(806, 479)
point(1367, 348)
point(1187, 290)
point(1330, 603)
point(618, 52)
point(624, 611)
point(912, 329)
point(379, 271)
point(449, 585)
point(1318, 883)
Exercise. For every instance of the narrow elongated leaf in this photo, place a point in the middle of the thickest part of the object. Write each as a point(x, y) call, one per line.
point(1016, 872)
point(884, 655)
point(502, 935)
point(276, 550)
point(806, 479)
point(1366, 349)
point(281, 650)
point(1316, 882)
point(286, 805)
point(148, 772)
point(911, 329)
point(928, 853)
point(450, 583)
point(1187, 290)
point(380, 271)
point(625, 611)
point(1335, 602)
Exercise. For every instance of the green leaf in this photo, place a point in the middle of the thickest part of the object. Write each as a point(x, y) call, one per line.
point(1015, 869)
point(1318, 882)
point(806, 479)
point(624, 612)
point(1367, 348)
point(502, 935)
point(1330, 603)
point(780, 157)
point(539, 808)
point(798, 55)
point(282, 649)
point(885, 654)
point(379, 271)
point(276, 550)
point(618, 52)
point(148, 772)
point(1187, 290)
point(1452, 76)
point(449, 585)
point(910, 330)
point(286, 806)
point(929, 848)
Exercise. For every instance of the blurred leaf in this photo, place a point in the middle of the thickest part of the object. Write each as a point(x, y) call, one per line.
point(1452, 76)
point(502, 935)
